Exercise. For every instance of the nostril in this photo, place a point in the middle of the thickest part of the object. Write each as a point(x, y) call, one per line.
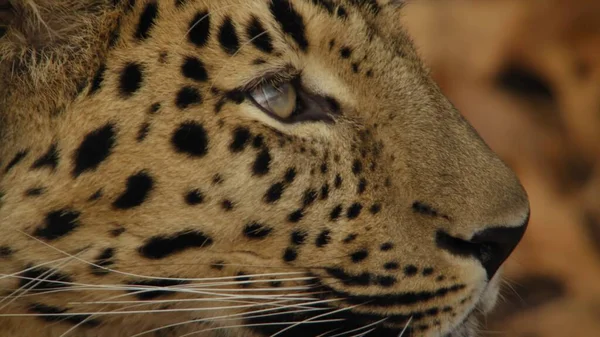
point(491, 246)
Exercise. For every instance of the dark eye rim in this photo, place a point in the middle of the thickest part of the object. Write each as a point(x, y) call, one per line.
point(310, 107)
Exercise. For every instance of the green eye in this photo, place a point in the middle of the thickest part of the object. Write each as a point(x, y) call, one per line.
point(278, 100)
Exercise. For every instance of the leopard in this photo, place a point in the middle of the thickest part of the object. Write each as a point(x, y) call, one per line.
point(239, 168)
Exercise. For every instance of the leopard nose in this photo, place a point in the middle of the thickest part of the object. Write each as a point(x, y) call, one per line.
point(491, 247)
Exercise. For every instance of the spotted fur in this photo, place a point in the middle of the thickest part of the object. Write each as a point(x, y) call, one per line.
point(142, 191)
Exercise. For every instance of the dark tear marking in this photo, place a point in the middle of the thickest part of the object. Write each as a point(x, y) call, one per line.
point(191, 138)
point(159, 247)
point(97, 79)
point(40, 279)
point(291, 22)
point(362, 280)
point(16, 159)
point(259, 36)
point(241, 136)
point(156, 288)
point(147, 20)
point(256, 230)
point(262, 163)
point(49, 159)
point(323, 239)
point(199, 29)
point(194, 197)
point(58, 224)
point(187, 96)
point(95, 148)
point(130, 79)
point(137, 189)
point(393, 300)
point(55, 314)
point(194, 69)
point(105, 259)
point(228, 37)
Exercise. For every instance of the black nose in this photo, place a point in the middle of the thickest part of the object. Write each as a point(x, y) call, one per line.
point(491, 246)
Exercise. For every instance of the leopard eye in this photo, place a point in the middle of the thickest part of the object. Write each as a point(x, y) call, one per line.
point(277, 100)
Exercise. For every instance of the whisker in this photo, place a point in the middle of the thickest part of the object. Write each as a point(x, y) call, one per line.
point(405, 327)
point(362, 328)
point(261, 324)
point(315, 317)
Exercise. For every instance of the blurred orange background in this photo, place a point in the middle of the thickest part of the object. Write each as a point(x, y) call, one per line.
point(527, 76)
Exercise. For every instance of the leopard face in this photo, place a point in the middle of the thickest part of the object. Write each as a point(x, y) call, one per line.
point(249, 168)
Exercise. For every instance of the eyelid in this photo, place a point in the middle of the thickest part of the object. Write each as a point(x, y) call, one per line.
point(274, 77)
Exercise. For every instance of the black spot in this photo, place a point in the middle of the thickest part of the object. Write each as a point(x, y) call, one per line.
point(16, 159)
point(49, 159)
point(143, 131)
point(194, 69)
point(34, 192)
point(324, 191)
point(227, 205)
point(296, 216)
point(243, 280)
point(291, 22)
point(427, 271)
point(391, 266)
point(256, 230)
point(362, 186)
point(290, 255)
point(309, 197)
point(116, 232)
point(350, 238)
point(386, 281)
point(410, 270)
point(131, 79)
point(258, 142)
point(96, 196)
point(199, 29)
point(41, 278)
point(386, 246)
point(341, 12)
point(262, 163)
point(217, 179)
point(55, 314)
point(147, 20)
point(345, 52)
point(194, 197)
point(355, 68)
point(423, 208)
point(290, 175)
point(190, 138)
point(359, 256)
point(363, 279)
point(324, 168)
point(228, 37)
point(336, 212)
point(98, 78)
point(159, 247)
point(241, 136)
point(103, 261)
point(274, 192)
point(95, 148)
point(187, 96)
point(357, 166)
point(337, 181)
point(155, 288)
point(154, 108)
point(299, 237)
point(259, 36)
point(323, 239)
point(137, 188)
point(354, 211)
point(57, 224)
point(5, 251)
point(375, 208)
